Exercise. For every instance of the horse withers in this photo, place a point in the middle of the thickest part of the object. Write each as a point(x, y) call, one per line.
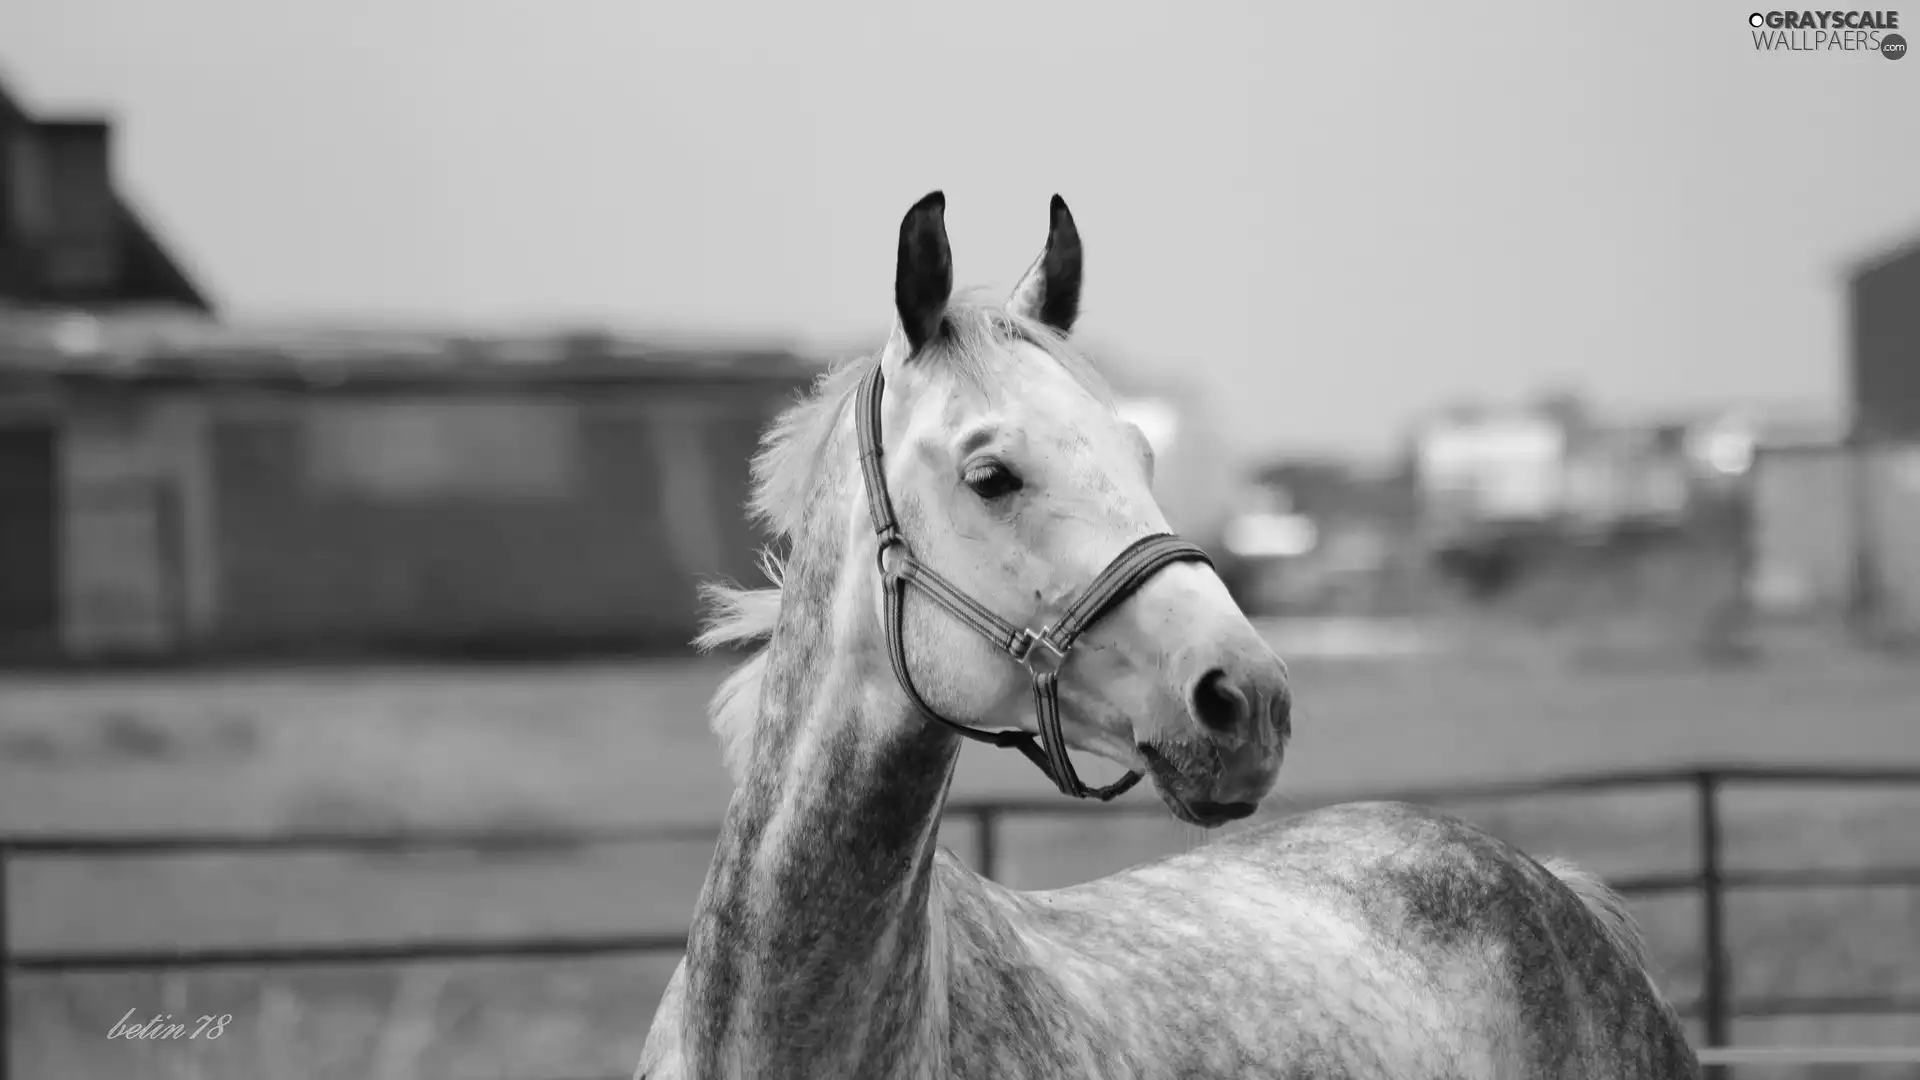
point(974, 552)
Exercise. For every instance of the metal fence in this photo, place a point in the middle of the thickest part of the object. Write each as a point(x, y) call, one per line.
point(1716, 1007)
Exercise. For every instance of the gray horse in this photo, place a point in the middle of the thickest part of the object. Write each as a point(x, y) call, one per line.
point(835, 939)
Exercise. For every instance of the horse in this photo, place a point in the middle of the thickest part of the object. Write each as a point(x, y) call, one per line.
point(973, 551)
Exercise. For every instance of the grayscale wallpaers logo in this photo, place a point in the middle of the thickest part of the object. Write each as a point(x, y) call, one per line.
point(1828, 31)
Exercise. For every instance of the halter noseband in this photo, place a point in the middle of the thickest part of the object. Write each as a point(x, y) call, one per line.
point(1044, 651)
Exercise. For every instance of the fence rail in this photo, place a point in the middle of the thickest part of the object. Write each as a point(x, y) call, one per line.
point(1716, 1006)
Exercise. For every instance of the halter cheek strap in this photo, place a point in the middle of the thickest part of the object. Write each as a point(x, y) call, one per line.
point(1044, 651)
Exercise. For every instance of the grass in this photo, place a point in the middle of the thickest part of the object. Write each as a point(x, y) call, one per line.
point(626, 743)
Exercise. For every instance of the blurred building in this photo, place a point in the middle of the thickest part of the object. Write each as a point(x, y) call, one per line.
point(1491, 471)
point(69, 239)
point(1322, 537)
point(1837, 513)
point(1551, 470)
point(1884, 304)
point(1801, 510)
point(1883, 324)
point(213, 491)
point(1551, 492)
point(68, 236)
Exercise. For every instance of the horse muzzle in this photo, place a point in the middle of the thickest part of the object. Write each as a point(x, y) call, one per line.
point(1206, 784)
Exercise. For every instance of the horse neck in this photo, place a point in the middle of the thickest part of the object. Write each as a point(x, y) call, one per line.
point(813, 946)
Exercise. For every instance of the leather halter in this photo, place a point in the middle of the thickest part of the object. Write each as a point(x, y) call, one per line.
point(1043, 651)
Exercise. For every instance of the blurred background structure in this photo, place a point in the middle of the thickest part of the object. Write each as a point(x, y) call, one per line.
point(344, 625)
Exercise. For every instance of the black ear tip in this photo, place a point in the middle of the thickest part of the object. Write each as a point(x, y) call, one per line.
point(1057, 210)
point(934, 201)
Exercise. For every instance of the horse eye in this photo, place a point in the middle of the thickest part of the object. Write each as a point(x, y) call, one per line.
point(992, 480)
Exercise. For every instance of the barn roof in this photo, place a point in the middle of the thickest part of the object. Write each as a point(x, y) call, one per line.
point(163, 348)
point(153, 270)
point(1892, 255)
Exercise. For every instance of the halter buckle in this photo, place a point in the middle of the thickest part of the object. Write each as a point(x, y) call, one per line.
point(890, 541)
point(1038, 652)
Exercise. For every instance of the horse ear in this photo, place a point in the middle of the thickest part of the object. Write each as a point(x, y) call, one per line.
point(923, 278)
point(1050, 293)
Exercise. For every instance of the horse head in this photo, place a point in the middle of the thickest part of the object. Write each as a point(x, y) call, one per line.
point(1007, 473)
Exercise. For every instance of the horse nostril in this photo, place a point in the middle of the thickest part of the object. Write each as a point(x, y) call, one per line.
point(1218, 704)
point(1280, 709)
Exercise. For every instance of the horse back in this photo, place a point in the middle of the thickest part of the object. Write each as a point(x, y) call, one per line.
point(1570, 960)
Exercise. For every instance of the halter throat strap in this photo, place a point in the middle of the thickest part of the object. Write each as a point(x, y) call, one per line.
point(1044, 651)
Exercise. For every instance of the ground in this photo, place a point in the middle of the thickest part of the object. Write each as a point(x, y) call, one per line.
point(626, 744)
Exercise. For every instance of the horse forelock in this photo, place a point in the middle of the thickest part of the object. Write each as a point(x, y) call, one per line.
point(787, 471)
point(796, 463)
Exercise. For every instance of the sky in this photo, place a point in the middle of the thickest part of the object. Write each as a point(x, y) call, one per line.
point(1324, 220)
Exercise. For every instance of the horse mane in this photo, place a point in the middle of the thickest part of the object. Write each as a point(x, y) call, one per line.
point(788, 468)
point(1608, 907)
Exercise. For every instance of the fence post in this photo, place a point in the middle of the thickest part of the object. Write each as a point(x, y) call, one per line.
point(1713, 945)
point(6, 974)
point(987, 819)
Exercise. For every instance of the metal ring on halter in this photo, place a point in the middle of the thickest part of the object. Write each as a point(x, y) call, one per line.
point(1030, 646)
point(891, 541)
